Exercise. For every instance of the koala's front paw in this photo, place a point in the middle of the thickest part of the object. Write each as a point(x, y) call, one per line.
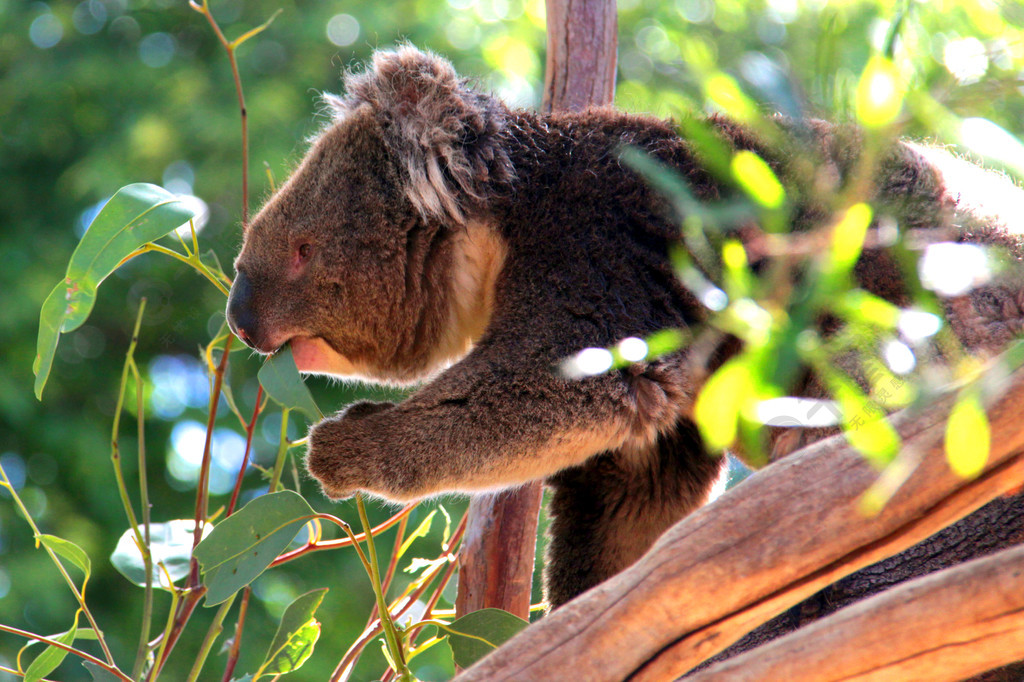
point(344, 451)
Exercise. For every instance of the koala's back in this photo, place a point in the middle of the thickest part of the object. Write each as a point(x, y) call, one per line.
point(589, 239)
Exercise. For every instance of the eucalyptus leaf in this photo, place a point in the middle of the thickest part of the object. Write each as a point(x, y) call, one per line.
point(295, 638)
point(170, 543)
point(136, 215)
point(493, 626)
point(968, 435)
point(69, 551)
point(240, 547)
point(421, 531)
point(47, 662)
point(281, 379)
point(295, 650)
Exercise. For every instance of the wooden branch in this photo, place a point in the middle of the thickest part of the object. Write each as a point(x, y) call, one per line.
point(949, 625)
point(582, 41)
point(757, 551)
point(496, 560)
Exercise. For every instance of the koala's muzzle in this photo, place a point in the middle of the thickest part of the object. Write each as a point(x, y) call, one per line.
point(241, 317)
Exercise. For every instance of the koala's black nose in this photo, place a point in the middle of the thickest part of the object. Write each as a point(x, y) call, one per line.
point(240, 315)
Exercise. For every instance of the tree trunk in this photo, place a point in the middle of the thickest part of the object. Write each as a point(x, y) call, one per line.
point(496, 560)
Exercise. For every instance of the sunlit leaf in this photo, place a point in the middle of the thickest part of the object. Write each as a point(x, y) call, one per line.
point(738, 277)
point(47, 662)
point(880, 93)
point(848, 238)
point(69, 551)
point(281, 379)
point(240, 547)
point(720, 401)
point(968, 437)
point(296, 635)
point(135, 215)
point(757, 179)
point(170, 544)
point(481, 632)
point(860, 306)
point(864, 424)
point(724, 92)
point(421, 531)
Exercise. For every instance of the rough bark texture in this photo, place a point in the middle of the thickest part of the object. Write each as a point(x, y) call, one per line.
point(496, 560)
point(772, 542)
point(997, 525)
point(582, 38)
point(897, 636)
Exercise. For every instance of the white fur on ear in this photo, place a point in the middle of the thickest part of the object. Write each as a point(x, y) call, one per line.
point(448, 136)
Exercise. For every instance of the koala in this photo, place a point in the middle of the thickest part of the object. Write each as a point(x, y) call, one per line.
point(434, 235)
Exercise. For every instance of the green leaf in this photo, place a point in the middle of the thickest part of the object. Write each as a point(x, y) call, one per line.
point(880, 93)
point(421, 531)
point(858, 305)
point(757, 179)
point(864, 423)
point(47, 662)
point(720, 401)
point(69, 551)
point(135, 215)
point(479, 633)
point(170, 543)
point(848, 238)
point(723, 90)
point(968, 437)
point(241, 546)
point(296, 635)
point(281, 380)
point(100, 674)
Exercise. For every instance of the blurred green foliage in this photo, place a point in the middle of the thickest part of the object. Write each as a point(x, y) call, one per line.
point(97, 94)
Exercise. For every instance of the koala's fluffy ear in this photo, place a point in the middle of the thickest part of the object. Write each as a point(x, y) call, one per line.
point(447, 135)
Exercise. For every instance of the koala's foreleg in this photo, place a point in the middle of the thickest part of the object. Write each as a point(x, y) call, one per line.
point(608, 511)
point(486, 423)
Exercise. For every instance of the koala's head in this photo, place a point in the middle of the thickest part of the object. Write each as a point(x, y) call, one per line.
point(374, 259)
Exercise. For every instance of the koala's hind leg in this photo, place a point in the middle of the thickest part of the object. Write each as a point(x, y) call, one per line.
point(608, 511)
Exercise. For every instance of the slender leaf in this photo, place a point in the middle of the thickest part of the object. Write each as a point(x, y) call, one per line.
point(295, 636)
point(968, 436)
point(720, 401)
point(240, 547)
point(479, 633)
point(421, 531)
point(281, 379)
point(864, 423)
point(880, 93)
point(170, 543)
point(47, 662)
point(135, 215)
point(69, 551)
point(757, 179)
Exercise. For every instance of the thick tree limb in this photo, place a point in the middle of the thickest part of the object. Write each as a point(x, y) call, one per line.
point(496, 560)
point(761, 548)
point(949, 625)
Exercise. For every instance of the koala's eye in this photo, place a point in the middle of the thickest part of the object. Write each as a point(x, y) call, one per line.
point(305, 251)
